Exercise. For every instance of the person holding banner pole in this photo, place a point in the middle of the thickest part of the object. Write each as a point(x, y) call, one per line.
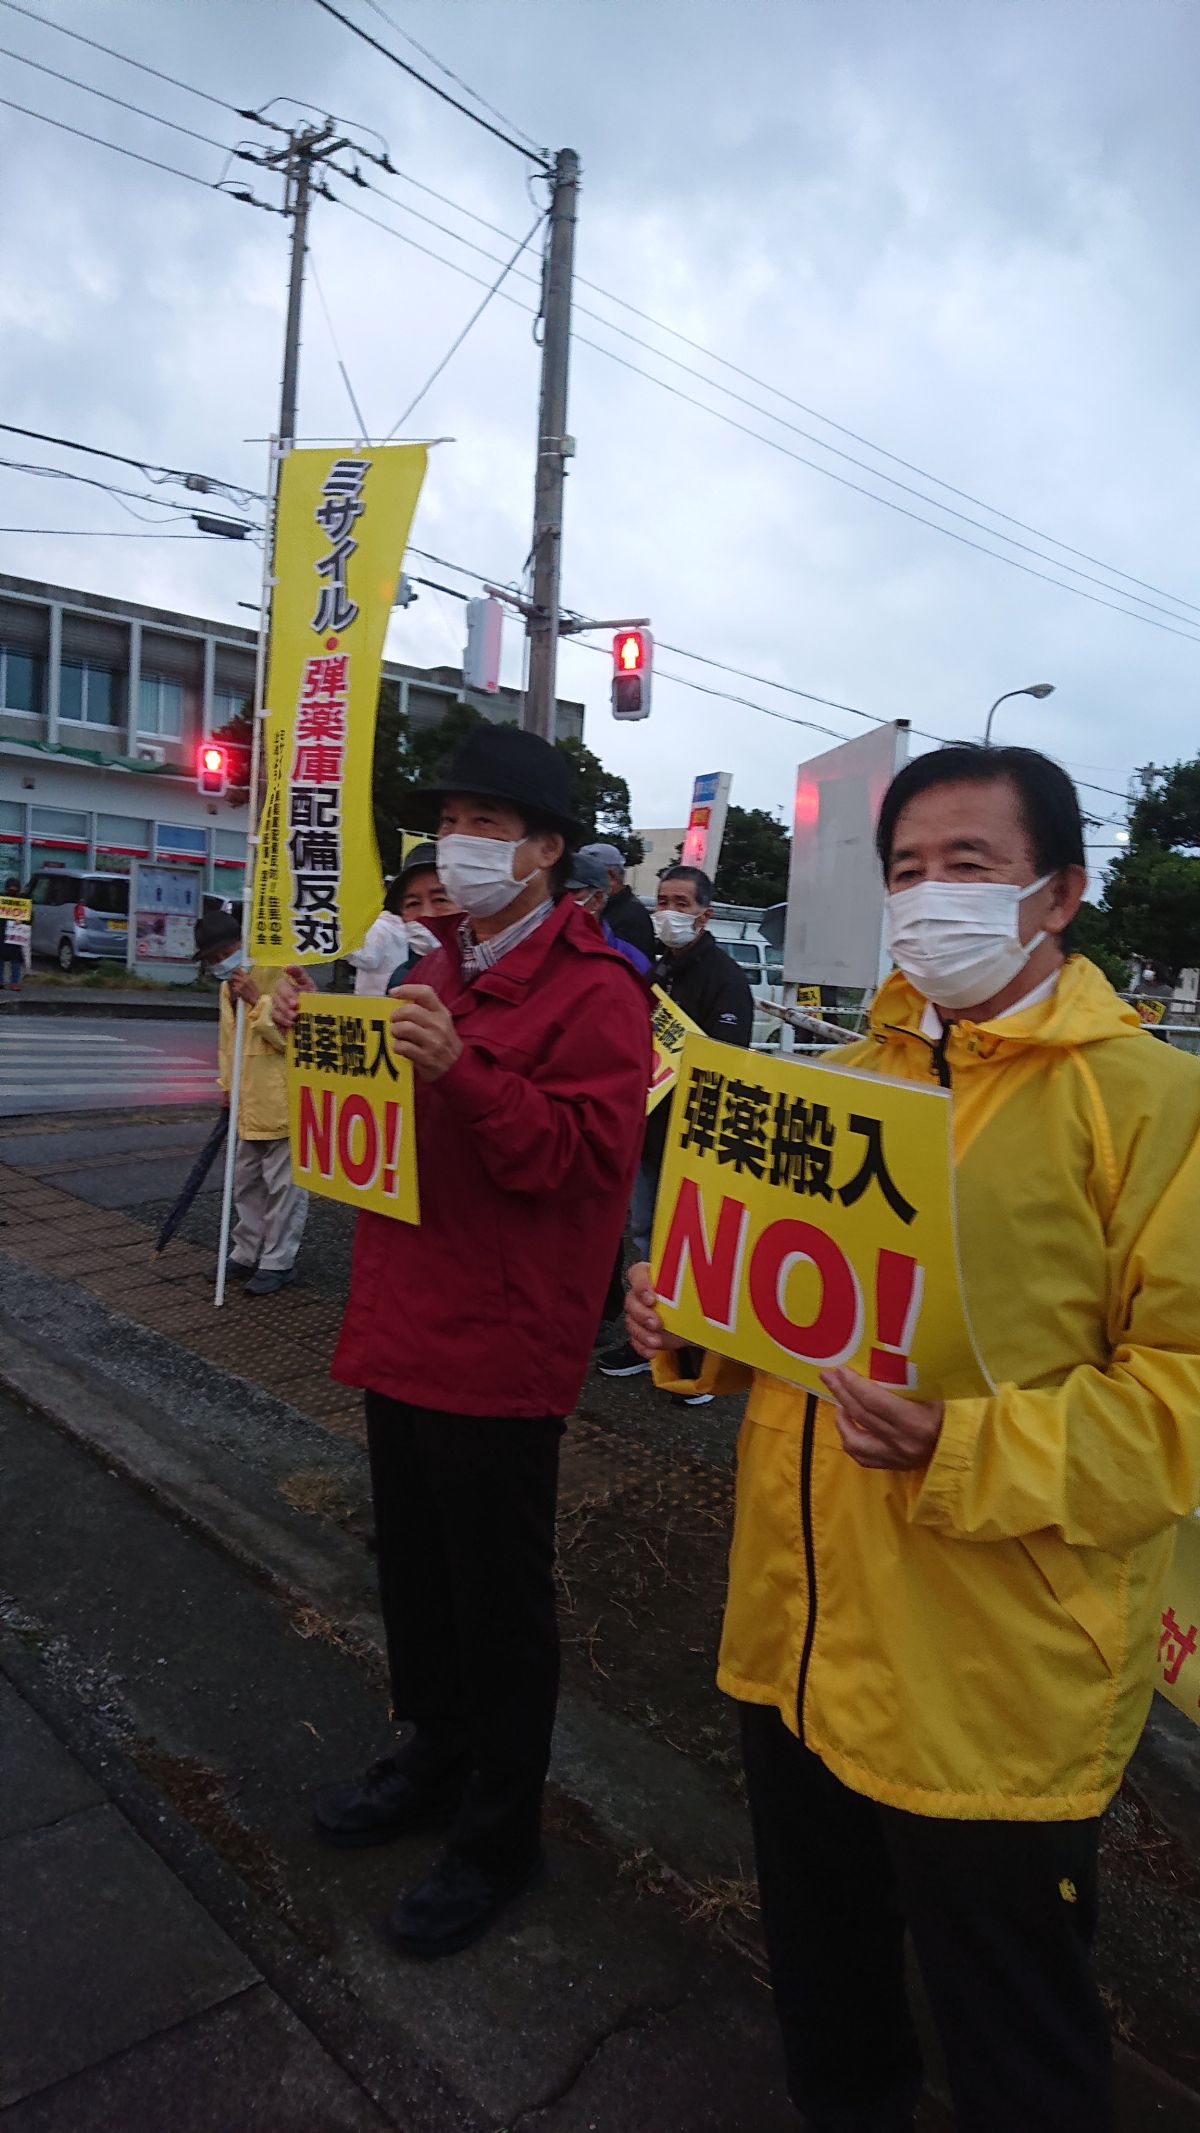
point(530, 1040)
point(944, 1615)
point(12, 952)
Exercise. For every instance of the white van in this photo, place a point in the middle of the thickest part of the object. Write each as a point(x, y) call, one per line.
point(735, 928)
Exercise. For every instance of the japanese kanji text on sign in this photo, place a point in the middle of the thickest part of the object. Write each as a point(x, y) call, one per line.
point(350, 1106)
point(806, 1217)
point(342, 525)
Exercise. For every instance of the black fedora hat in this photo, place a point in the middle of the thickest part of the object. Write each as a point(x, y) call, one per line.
point(503, 763)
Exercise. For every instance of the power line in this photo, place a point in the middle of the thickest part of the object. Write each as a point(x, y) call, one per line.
point(764, 385)
point(440, 64)
point(801, 459)
point(144, 466)
point(111, 533)
point(337, 350)
point(48, 24)
point(456, 344)
point(527, 155)
point(20, 466)
point(480, 577)
point(134, 154)
point(125, 105)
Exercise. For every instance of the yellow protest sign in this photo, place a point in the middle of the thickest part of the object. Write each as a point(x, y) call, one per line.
point(350, 1106)
point(1151, 1011)
point(342, 521)
point(1178, 1677)
point(17, 908)
point(808, 998)
point(805, 1217)
point(409, 840)
point(668, 1028)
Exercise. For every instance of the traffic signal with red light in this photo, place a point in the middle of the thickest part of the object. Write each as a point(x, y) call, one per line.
point(633, 661)
point(212, 770)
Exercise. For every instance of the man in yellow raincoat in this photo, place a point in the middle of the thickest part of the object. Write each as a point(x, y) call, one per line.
point(942, 1617)
point(269, 1209)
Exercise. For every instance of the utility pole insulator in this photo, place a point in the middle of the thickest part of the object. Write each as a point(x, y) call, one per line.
point(555, 446)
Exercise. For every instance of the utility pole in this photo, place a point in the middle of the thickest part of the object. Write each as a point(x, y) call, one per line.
point(554, 447)
point(305, 147)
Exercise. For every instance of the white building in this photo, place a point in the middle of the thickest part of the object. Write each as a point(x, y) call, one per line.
point(660, 848)
point(103, 707)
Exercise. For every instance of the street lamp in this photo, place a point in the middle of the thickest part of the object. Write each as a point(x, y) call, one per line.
point(1036, 688)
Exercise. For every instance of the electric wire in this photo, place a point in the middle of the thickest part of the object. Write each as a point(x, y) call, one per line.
point(363, 431)
point(764, 385)
point(731, 421)
point(479, 577)
point(442, 68)
point(210, 185)
point(147, 467)
point(160, 503)
point(456, 344)
point(139, 109)
point(48, 23)
point(527, 155)
point(112, 533)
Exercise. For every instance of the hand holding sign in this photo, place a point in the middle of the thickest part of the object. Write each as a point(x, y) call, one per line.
point(422, 1030)
point(645, 1328)
point(880, 1428)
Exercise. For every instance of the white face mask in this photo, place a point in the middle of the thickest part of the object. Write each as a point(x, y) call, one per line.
point(477, 872)
point(959, 942)
point(673, 928)
point(420, 939)
point(235, 960)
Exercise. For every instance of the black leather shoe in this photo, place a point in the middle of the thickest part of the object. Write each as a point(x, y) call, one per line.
point(384, 1804)
point(453, 1906)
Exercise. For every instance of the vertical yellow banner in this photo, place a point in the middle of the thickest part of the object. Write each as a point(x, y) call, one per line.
point(341, 528)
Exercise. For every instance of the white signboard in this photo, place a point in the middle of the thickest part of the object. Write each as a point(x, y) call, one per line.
point(706, 823)
point(834, 931)
point(164, 905)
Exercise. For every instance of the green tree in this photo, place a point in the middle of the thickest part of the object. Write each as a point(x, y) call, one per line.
point(407, 758)
point(604, 805)
point(1091, 935)
point(1152, 904)
point(755, 850)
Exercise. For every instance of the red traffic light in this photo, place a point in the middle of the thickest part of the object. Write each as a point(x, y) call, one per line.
point(629, 652)
point(212, 769)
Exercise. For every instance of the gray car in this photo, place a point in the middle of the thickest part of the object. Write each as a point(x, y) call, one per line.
point(79, 917)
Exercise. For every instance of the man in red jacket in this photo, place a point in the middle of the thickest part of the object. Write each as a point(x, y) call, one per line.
point(530, 1038)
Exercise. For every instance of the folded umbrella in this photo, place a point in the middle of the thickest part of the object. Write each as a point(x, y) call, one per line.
point(194, 1180)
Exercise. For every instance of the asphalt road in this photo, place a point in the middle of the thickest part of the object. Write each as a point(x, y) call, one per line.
point(60, 1064)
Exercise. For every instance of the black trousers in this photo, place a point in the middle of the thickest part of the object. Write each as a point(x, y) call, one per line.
point(1001, 1916)
point(464, 1521)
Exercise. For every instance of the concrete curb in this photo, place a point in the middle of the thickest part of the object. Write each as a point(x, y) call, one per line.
point(124, 1007)
point(647, 1802)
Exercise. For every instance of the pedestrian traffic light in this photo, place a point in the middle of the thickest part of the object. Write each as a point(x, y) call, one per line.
point(212, 770)
point(633, 659)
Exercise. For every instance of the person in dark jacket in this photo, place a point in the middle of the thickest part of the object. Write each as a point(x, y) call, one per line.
point(714, 993)
point(12, 954)
point(622, 914)
point(530, 1041)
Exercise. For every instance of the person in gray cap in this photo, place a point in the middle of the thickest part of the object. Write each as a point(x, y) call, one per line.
point(588, 884)
point(624, 916)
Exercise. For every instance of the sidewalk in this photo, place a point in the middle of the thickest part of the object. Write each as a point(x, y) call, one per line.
point(123, 2003)
point(247, 1464)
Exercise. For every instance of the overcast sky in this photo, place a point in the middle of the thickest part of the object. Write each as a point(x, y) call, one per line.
point(964, 231)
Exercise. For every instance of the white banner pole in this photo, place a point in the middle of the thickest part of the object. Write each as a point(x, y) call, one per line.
point(252, 841)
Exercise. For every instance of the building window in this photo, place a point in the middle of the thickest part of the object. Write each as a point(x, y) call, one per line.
point(229, 704)
point(22, 680)
point(123, 833)
point(230, 844)
point(160, 707)
point(175, 840)
point(87, 694)
point(59, 825)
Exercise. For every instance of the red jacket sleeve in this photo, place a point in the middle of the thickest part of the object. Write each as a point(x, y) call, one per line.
point(576, 1117)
